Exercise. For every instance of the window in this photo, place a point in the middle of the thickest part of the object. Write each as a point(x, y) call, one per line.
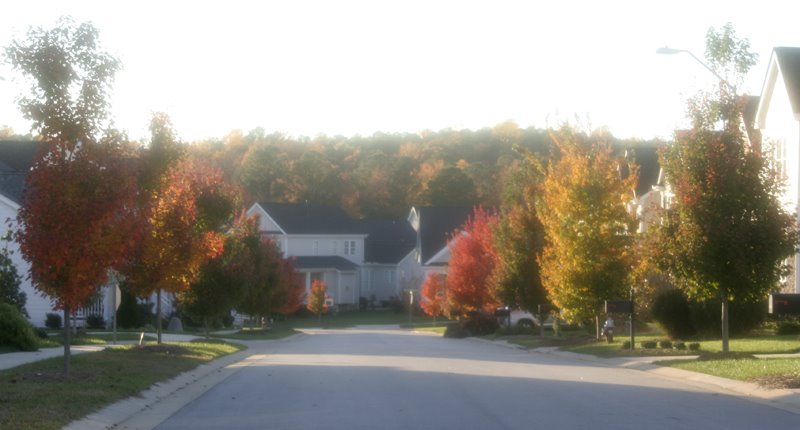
point(349, 247)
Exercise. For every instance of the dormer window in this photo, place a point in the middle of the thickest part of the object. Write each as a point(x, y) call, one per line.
point(349, 247)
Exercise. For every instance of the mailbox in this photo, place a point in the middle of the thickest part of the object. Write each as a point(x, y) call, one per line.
point(619, 306)
point(784, 304)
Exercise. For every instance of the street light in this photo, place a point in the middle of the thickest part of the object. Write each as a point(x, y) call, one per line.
point(672, 51)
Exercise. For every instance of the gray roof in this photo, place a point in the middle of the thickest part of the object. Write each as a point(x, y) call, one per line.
point(324, 262)
point(303, 218)
point(16, 159)
point(437, 225)
point(388, 240)
point(789, 63)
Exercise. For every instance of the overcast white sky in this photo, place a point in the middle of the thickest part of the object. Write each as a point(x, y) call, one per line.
point(306, 67)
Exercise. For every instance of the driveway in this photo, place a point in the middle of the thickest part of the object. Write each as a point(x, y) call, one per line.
point(392, 379)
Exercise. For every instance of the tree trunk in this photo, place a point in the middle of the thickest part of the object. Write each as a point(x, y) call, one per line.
point(725, 319)
point(67, 340)
point(158, 315)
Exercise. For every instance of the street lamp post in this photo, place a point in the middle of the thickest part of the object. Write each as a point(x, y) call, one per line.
point(672, 51)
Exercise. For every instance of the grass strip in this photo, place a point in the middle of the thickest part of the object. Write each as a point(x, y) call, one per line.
point(744, 369)
point(38, 396)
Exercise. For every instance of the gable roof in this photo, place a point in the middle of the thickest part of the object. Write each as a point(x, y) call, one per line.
point(16, 159)
point(785, 60)
point(303, 218)
point(388, 240)
point(436, 227)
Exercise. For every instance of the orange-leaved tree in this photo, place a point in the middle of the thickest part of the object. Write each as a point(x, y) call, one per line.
point(472, 260)
point(434, 295)
point(181, 231)
point(589, 252)
point(316, 299)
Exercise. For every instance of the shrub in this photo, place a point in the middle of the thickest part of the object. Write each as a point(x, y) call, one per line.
point(665, 344)
point(52, 321)
point(479, 324)
point(626, 345)
point(15, 331)
point(40, 333)
point(455, 331)
point(95, 321)
point(744, 317)
point(650, 344)
point(788, 327)
point(672, 312)
point(694, 346)
point(679, 345)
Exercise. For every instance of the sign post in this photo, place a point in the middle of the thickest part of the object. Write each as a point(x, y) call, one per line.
point(622, 307)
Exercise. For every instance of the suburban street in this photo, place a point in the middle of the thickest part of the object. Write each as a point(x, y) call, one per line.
point(394, 379)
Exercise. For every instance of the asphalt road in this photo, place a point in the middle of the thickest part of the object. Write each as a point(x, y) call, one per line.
point(391, 379)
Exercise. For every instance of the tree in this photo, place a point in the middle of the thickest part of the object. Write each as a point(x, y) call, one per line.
point(519, 240)
point(75, 221)
point(450, 187)
point(181, 231)
point(10, 281)
point(316, 299)
point(472, 259)
point(725, 235)
point(291, 291)
point(273, 284)
point(223, 280)
point(588, 255)
point(434, 295)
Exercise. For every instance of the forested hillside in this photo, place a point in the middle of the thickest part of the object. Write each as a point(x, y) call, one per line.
point(381, 175)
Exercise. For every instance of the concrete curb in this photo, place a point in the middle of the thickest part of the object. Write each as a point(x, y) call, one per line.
point(154, 405)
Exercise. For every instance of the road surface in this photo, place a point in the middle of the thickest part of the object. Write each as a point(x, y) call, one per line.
point(392, 379)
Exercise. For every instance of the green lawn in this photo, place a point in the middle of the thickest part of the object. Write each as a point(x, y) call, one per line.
point(773, 371)
point(276, 332)
point(38, 396)
point(764, 344)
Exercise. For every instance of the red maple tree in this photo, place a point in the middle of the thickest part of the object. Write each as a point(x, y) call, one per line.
point(434, 295)
point(472, 259)
point(75, 222)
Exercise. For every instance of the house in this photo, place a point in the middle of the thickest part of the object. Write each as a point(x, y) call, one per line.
point(778, 119)
point(324, 241)
point(434, 228)
point(389, 242)
point(651, 193)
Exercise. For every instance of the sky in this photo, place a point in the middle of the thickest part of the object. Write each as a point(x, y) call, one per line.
point(310, 67)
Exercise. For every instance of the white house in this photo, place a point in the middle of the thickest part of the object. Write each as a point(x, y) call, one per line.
point(325, 243)
point(778, 119)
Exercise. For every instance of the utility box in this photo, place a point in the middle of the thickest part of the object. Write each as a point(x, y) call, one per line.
point(784, 304)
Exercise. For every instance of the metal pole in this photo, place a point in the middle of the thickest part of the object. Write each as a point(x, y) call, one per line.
point(633, 325)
